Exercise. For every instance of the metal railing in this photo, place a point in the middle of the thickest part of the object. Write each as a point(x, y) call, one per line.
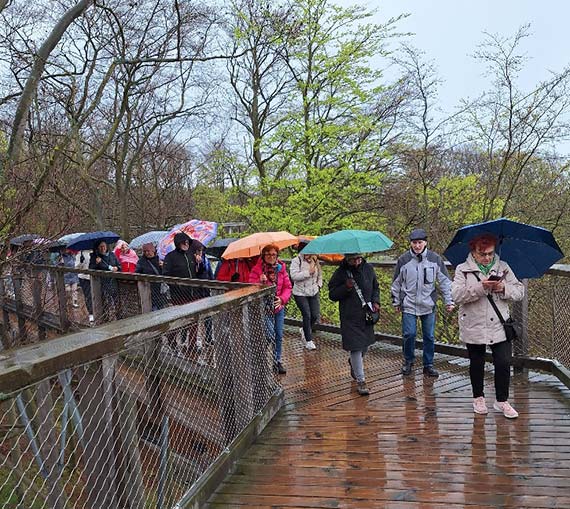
point(130, 414)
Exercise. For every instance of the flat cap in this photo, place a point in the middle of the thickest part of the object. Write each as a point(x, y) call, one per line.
point(418, 234)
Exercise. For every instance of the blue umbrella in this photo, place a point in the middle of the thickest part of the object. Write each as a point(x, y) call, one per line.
point(348, 241)
point(87, 240)
point(154, 237)
point(529, 250)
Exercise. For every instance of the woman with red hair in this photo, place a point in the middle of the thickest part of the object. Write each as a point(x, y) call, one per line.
point(482, 277)
point(269, 270)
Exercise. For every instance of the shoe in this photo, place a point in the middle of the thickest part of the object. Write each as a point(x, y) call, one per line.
point(407, 368)
point(310, 345)
point(508, 411)
point(302, 332)
point(479, 406)
point(352, 373)
point(362, 389)
point(280, 369)
point(431, 371)
point(75, 305)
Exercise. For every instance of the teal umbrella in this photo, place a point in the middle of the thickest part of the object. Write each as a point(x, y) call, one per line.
point(348, 241)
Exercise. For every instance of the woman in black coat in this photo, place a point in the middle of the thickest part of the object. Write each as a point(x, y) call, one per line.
point(103, 259)
point(357, 335)
point(150, 264)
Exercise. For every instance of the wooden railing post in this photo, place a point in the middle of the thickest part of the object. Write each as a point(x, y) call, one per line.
point(97, 298)
point(520, 313)
point(61, 301)
point(17, 282)
point(38, 303)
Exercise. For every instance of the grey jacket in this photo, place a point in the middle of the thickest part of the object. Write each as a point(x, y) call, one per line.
point(414, 282)
point(305, 284)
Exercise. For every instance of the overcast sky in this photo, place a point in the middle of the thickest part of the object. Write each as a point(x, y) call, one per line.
point(448, 31)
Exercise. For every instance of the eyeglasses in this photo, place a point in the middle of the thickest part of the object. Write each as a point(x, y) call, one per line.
point(354, 259)
point(270, 255)
point(486, 254)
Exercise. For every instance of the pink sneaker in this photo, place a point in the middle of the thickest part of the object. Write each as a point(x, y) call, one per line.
point(479, 406)
point(508, 411)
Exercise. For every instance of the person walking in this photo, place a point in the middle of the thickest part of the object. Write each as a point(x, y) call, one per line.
point(307, 278)
point(418, 274)
point(355, 287)
point(483, 286)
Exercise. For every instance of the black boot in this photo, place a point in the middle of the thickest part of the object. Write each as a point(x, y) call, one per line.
point(407, 368)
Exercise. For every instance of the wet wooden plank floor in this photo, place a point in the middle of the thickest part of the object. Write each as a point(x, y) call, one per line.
point(414, 442)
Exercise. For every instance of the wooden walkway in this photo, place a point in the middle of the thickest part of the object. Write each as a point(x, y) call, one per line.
point(414, 442)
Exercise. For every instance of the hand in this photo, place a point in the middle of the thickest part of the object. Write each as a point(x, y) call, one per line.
point(450, 307)
point(349, 283)
point(398, 309)
point(160, 263)
point(98, 260)
point(114, 269)
point(499, 287)
point(376, 307)
point(488, 285)
point(277, 302)
point(263, 278)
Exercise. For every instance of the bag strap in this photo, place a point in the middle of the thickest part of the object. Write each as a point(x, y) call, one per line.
point(492, 301)
point(357, 288)
point(154, 269)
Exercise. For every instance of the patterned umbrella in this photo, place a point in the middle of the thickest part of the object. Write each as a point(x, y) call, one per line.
point(153, 237)
point(204, 231)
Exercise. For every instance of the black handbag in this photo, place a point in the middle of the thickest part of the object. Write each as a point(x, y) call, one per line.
point(371, 317)
point(513, 329)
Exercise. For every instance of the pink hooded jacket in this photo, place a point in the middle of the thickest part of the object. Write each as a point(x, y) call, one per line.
point(284, 285)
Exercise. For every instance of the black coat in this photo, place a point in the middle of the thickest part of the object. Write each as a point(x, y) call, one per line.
point(151, 266)
point(356, 334)
point(109, 286)
point(179, 263)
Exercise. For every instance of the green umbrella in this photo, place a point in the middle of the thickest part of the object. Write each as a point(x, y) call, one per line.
point(348, 241)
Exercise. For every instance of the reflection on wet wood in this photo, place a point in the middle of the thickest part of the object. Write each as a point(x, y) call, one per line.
point(414, 442)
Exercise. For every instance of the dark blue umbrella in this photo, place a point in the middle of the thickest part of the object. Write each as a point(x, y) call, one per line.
point(87, 240)
point(529, 250)
point(218, 247)
point(26, 237)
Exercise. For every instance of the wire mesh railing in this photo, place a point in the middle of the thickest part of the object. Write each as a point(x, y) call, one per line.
point(131, 415)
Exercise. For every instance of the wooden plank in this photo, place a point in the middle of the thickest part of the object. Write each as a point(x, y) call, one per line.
point(414, 442)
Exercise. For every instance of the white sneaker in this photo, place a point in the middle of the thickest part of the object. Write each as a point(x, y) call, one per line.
point(91, 318)
point(310, 345)
point(302, 332)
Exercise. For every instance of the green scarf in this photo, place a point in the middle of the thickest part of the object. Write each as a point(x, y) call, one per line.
point(486, 268)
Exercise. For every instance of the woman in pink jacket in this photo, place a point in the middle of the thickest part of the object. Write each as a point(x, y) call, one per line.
point(269, 270)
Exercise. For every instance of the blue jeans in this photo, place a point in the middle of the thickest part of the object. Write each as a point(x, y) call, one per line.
point(409, 330)
point(274, 324)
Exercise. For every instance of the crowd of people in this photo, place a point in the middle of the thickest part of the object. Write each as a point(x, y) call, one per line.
point(482, 287)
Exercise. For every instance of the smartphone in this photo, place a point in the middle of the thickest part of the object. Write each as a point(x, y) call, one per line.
point(494, 277)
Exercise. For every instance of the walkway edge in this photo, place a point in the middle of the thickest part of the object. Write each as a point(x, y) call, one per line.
point(211, 479)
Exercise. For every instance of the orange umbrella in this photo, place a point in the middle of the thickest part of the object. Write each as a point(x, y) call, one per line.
point(253, 244)
point(329, 258)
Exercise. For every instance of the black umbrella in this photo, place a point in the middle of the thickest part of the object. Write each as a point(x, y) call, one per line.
point(218, 247)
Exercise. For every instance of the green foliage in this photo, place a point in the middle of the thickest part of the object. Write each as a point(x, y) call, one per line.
point(211, 203)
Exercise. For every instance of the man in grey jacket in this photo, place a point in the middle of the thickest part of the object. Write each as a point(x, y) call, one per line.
point(414, 294)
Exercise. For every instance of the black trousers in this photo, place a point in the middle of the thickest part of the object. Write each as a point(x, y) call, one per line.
point(501, 360)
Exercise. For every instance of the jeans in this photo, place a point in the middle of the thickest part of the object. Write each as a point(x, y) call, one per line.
point(310, 308)
point(502, 363)
point(409, 330)
point(274, 324)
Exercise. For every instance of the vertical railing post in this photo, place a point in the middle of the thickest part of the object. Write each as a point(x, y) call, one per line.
point(17, 281)
point(61, 301)
point(520, 313)
point(97, 299)
point(38, 304)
